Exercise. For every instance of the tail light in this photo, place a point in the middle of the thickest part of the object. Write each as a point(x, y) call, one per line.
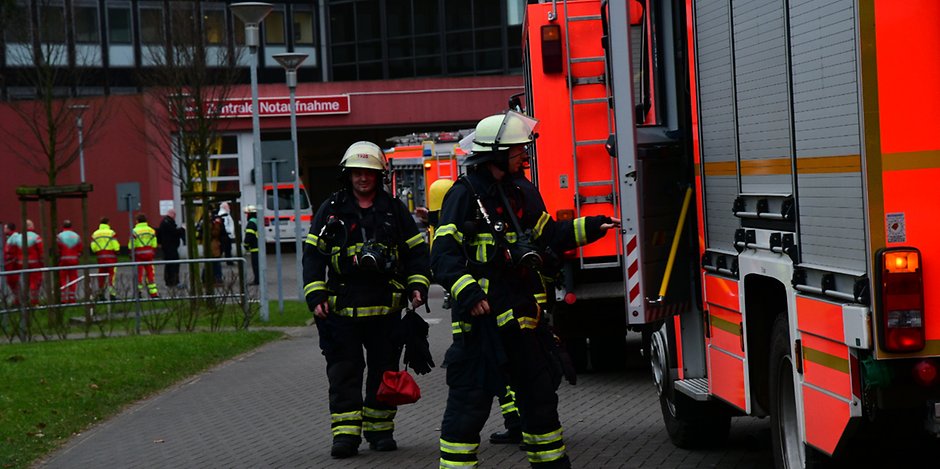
point(902, 300)
point(925, 373)
point(551, 48)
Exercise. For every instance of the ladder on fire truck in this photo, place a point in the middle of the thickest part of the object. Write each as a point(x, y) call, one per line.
point(598, 89)
point(440, 160)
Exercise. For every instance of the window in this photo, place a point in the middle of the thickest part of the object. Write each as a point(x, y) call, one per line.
point(398, 18)
point(486, 13)
point(18, 31)
point(285, 199)
point(238, 30)
point(151, 25)
point(426, 16)
point(342, 23)
point(274, 28)
point(183, 25)
point(367, 24)
point(86, 24)
point(427, 45)
point(119, 25)
point(428, 66)
point(52, 23)
point(215, 26)
point(401, 68)
point(303, 27)
point(399, 48)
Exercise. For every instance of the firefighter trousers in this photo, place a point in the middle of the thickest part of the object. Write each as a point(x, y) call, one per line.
point(532, 376)
point(342, 340)
point(507, 407)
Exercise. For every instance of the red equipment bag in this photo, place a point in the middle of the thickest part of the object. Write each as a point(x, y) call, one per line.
point(398, 388)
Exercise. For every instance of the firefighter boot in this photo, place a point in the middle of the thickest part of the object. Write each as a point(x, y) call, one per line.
point(382, 441)
point(511, 436)
point(344, 447)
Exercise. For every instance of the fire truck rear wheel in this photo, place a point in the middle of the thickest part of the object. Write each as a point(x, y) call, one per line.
point(788, 448)
point(690, 424)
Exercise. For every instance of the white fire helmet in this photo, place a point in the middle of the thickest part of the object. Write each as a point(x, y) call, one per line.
point(501, 131)
point(365, 155)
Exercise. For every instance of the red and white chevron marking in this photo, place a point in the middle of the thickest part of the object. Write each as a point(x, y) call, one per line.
point(634, 299)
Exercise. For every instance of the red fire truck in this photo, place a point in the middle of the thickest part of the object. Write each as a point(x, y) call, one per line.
point(774, 165)
point(417, 160)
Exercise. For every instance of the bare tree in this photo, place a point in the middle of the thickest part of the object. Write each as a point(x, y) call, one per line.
point(52, 75)
point(191, 75)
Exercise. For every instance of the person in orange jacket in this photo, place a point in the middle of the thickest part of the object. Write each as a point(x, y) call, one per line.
point(143, 242)
point(12, 258)
point(104, 245)
point(70, 250)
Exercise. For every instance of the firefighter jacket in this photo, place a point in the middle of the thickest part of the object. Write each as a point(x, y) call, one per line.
point(70, 247)
point(251, 235)
point(12, 255)
point(143, 239)
point(104, 243)
point(474, 261)
point(376, 257)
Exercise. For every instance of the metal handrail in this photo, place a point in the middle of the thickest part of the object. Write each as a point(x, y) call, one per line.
point(23, 273)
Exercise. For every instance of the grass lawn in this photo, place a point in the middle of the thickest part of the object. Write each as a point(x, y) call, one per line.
point(52, 390)
point(295, 314)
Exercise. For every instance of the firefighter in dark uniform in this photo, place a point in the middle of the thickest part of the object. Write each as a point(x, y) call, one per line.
point(487, 252)
point(250, 243)
point(507, 403)
point(377, 260)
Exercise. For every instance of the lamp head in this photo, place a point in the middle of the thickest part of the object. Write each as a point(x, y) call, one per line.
point(290, 60)
point(252, 14)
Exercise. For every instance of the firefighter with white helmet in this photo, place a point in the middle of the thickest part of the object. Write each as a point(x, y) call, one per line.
point(250, 241)
point(363, 260)
point(487, 252)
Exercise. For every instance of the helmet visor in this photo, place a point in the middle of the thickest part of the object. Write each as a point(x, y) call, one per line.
point(516, 128)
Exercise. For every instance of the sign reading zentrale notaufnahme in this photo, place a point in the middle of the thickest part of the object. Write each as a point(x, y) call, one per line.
point(276, 107)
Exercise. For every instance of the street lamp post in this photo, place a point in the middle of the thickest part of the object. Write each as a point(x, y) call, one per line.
point(79, 124)
point(79, 110)
point(252, 14)
point(290, 61)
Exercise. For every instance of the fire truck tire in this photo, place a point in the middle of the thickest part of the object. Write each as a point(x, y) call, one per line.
point(788, 449)
point(690, 424)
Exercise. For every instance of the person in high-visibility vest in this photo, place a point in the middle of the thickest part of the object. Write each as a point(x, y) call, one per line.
point(70, 249)
point(251, 240)
point(104, 245)
point(143, 242)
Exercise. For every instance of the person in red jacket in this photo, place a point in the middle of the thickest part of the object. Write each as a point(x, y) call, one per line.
point(33, 246)
point(70, 250)
point(12, 259)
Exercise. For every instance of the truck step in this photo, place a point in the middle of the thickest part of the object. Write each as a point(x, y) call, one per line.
point(590, 142)
point(595, 80)
point(599, 265)
point(589, 101)
point(696, 388)
point(606, 182)
point(584, 18)
point(581, 60)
